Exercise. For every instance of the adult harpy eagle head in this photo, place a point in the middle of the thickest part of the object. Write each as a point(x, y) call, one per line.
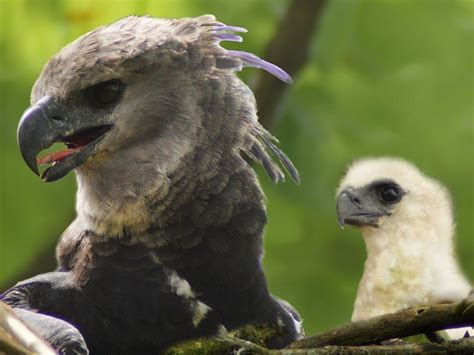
point(167, 243)
point(407, 224)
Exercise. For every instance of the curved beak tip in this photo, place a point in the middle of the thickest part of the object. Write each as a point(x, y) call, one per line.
point(28, 152)
point(33, 166)
point(29, 158)
point(340, 218)
point(33, 135)
point(341, 223)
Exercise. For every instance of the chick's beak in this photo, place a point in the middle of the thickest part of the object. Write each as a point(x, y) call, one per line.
point(355, 210)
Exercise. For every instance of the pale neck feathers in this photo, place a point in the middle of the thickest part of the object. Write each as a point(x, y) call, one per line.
point(410, 261)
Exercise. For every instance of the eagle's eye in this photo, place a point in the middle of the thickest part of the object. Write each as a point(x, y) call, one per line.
point(389, 194)
point(104, 94)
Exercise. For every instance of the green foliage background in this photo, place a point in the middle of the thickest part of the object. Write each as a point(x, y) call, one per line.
point(385, 78)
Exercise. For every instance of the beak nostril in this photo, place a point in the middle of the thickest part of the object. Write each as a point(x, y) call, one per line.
point(356, 201)
point(56, 118)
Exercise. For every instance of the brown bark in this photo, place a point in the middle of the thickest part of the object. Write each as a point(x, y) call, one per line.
point(359, 337)
point(412, 321)
point(464, 346)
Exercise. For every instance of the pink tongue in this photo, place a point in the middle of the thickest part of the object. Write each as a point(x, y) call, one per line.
point(57, 156)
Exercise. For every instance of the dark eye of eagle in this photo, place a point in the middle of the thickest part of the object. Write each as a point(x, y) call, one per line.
point(105, 94)
point(389, 194)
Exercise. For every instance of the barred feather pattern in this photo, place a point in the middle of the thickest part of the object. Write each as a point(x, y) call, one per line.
point(265, 152)
point(263, 149)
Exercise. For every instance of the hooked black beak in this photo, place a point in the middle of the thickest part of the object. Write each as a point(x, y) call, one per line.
point(354, 211)
point(35, 133)
point(46, 123)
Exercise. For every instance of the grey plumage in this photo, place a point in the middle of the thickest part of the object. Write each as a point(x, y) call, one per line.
point(167, 243)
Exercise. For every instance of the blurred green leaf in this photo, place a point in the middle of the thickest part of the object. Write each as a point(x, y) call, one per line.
point(385, 78)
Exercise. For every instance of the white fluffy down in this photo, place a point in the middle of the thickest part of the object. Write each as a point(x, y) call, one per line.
point(182, 288)
point(411, 256)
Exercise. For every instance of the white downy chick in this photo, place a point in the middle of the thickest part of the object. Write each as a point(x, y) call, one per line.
point(406, 221)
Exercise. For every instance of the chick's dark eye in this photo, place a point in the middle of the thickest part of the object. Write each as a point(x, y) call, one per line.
point(390, 194)
point(105, 94)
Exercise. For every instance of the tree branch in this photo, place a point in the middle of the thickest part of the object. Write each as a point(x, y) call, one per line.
point(354, 338)
point(412, 321)
point(288, 49)
point(463, 346)
point(17, 338)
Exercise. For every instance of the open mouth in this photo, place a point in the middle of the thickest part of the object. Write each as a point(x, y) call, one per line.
point(363, 219)
point(79, 146)
point(357, 222)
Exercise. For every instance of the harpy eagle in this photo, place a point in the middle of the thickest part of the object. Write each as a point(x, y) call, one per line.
point(167, 242)
point(406, 221)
